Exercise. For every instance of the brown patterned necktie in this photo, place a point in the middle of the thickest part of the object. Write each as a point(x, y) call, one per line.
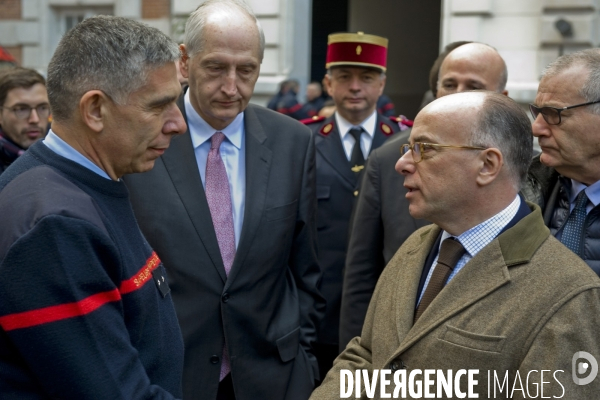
point(450, 252)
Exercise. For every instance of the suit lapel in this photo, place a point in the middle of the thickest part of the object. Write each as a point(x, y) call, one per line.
point(408, 282)
point(331, 149)
point(180, 162)
point(482, 275)
point(258, 165)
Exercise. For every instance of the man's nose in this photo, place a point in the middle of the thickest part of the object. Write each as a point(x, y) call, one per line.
point(405, 164)
point(229, 86)
point(539, 126)
point(34, 117)
point(355, 83)
point(176, 123)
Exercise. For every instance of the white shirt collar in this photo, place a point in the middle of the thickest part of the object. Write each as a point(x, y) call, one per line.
point(201, 131)
point(64, 149)
point(368, 124)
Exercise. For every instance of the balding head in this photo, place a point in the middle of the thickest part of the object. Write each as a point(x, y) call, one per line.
point(469, 153)
point(232, 14)
point(473, 66)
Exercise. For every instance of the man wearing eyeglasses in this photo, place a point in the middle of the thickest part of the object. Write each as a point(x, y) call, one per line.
point(565, 178)
point(485, 287)
point(24, 112)
point(382, 222)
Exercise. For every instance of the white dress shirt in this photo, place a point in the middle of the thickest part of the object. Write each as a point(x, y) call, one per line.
point(348, 140)
point(233, 154)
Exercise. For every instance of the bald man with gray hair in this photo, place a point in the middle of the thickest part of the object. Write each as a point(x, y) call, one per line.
point(485, 290)
point(231, 210)
point(382, 222)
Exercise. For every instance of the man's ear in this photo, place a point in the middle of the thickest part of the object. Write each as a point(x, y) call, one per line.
point(505, 92)
point(93, 109)
point(327, 84)
point(383, 78)
point(491, 165)
point(184, 61)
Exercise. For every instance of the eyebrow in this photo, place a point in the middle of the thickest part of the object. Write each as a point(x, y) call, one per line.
point(45, 103)
point(162, 101)
point(423, 139)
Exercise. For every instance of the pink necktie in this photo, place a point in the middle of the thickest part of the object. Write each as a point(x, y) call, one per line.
point(219, 203)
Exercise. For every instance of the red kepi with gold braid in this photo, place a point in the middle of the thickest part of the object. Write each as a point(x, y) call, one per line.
point(357, 49)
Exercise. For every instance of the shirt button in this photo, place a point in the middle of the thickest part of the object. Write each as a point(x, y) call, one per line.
point(214, 359)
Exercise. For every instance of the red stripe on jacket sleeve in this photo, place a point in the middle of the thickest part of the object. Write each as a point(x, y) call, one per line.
point(143, 275)
point(44, 315)
point(82, 307)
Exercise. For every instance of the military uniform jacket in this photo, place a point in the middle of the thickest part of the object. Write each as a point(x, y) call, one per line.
point(337, 188)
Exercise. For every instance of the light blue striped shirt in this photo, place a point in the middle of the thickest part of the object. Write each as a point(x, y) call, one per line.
point(233, 154)
point(477, 238)
point(64, 149)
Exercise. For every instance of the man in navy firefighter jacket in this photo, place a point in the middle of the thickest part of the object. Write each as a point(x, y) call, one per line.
point(85, 308)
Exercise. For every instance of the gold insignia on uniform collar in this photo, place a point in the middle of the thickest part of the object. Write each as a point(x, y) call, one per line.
point(386, 129)
point(327, 128)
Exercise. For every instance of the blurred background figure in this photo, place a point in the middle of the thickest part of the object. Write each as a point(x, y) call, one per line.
point(328, 109)
point(6, 59)
point(288, 102)
point(385, 106)
point(314, 100)
point(24, 112)
point(274, 101)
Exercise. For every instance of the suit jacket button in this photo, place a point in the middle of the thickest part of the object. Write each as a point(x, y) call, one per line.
point(225, 298)
point(214, 359)
point(396, 365)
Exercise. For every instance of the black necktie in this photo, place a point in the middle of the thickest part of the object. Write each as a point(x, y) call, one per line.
point(357, 160)
point(450, 252)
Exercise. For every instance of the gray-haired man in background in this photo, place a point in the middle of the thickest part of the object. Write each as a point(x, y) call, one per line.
point(565, 179)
